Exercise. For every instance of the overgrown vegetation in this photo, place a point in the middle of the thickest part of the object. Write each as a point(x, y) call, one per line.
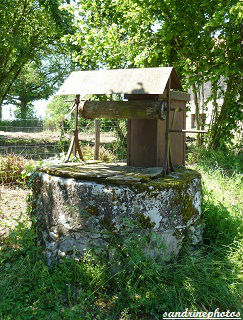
point(125, 284)
point(12, 168)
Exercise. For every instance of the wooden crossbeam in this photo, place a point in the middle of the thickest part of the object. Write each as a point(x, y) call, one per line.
point(135, 109)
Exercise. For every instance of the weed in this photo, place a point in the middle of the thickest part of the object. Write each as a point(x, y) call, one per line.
point(12, 168)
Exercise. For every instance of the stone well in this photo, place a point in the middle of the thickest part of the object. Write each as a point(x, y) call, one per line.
point(80, 205)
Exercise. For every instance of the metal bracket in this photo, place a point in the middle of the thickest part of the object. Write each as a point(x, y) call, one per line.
point(163, 109)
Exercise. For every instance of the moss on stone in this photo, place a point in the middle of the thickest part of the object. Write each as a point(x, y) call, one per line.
point(140, 180)
point(178, 180)
point(145, 222)
point(188, 210)
point(114, 173)
point(185, 201)
point(93, 210)
point(107, 223)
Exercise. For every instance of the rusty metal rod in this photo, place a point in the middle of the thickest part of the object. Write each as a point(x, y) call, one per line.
point(188, 131)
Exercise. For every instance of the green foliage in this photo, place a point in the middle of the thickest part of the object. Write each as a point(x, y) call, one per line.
point(25, 111)
point(39, 79)
point(201, 39)
point(31, 85)
point(105, 155)
point(125, 283)
point(27, 29)
point(227, 162)
point(56, 111)
point(32, 125)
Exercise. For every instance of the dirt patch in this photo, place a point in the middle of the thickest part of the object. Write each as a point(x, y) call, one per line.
point(12, 208)
point(53, 136)
point(32, 136)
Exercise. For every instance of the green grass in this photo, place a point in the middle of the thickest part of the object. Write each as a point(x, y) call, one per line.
point(128, 285)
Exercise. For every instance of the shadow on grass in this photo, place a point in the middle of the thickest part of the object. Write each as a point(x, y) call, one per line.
point(221, 227)
point(204, 278)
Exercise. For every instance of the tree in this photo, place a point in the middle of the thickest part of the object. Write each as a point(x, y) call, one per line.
point(227, 64)
point(57, 109)
point(39, 80)
point(201, 39)
point(27, 27)
point(30, 85)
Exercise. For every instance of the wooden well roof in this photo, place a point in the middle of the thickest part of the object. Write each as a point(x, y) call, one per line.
point(120, 81)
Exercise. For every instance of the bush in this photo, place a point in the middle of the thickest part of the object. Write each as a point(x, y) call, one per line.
point(12, 168)
point(28, 125)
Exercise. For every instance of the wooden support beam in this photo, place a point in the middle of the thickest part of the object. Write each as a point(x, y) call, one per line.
point(97, 139)
point(178, 95)
point(167, 144)
point(138, 109)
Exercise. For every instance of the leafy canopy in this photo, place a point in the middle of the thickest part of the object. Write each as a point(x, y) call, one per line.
point(201, 39)
point(27, 27)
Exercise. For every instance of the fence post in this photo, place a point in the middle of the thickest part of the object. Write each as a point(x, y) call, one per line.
point(97, 139)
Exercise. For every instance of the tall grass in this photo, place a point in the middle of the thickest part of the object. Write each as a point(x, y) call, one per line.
point(126, 285)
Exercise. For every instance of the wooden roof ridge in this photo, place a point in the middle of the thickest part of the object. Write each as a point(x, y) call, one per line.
point(120, 81)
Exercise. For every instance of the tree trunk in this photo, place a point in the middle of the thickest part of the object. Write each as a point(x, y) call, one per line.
point(119, 132)
point(196, 103)
point(10, 82)
point(23, 110)
point(217, 131)
point(203, 120)
point(214, 113)
point(222, 117)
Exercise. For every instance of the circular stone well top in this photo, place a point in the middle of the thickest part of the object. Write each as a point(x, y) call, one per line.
point(80, 213)
point(104, 172)
point(120, 173)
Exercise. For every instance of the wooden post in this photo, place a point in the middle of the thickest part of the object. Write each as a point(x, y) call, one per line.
point(166, 153)
point(174, 111)
point(97, 139)
point(74, 145)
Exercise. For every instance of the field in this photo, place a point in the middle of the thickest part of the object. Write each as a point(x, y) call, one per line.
point(45, 144)
point(203, 279)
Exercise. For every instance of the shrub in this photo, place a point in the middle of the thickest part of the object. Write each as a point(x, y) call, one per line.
point(11, 169)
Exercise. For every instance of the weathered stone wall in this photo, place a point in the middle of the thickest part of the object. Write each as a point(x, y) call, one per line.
point(75, 214)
